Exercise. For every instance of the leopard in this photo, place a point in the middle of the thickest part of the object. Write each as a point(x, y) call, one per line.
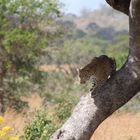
point(100, 69)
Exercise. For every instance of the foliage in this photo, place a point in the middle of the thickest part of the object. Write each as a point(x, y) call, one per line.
point(119, 49)
point(81, 51)
point(43, 124)
point(22, 39)
point(64, 110)
point(40, 128)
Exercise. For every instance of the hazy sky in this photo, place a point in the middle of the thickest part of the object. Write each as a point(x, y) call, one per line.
point(75, 6)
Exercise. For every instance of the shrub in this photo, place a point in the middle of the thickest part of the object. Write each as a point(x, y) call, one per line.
point(40, 128)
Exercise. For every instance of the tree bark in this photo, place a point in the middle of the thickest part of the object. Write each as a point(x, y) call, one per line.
point(118, 90)
point(121, 5)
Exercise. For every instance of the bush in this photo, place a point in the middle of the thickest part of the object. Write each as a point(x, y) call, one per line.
point(40, 128)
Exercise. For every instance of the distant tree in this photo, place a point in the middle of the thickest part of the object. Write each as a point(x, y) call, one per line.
point(68, 28)
point(106, 33)
point(79, 34)
point(23, 36)
point(92, 27)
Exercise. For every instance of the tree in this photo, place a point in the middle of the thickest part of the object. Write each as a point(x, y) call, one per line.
point(23, 37)
point(123, 85)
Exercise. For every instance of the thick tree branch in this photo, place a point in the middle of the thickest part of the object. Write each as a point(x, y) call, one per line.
point(120, 5)
point(90, 112)
point(134, 22)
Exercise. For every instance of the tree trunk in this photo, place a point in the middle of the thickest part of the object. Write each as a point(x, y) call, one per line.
point(118, 90)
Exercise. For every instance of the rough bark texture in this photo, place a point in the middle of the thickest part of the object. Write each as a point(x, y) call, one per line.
point(90, 112)
point(121, 5)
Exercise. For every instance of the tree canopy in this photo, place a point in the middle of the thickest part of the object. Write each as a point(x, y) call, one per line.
point(22, 38)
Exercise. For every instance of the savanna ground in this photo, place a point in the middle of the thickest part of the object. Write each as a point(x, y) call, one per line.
point(120, 126)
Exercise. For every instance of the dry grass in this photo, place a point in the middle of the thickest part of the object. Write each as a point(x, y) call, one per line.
point(117, 127)
point(15, 120)
point(65, 68)
point(18, 120)
point(35, 102)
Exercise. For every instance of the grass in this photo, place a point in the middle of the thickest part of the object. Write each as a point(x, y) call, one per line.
point(119, 127)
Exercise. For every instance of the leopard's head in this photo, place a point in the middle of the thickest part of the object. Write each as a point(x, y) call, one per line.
point(83, 76)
